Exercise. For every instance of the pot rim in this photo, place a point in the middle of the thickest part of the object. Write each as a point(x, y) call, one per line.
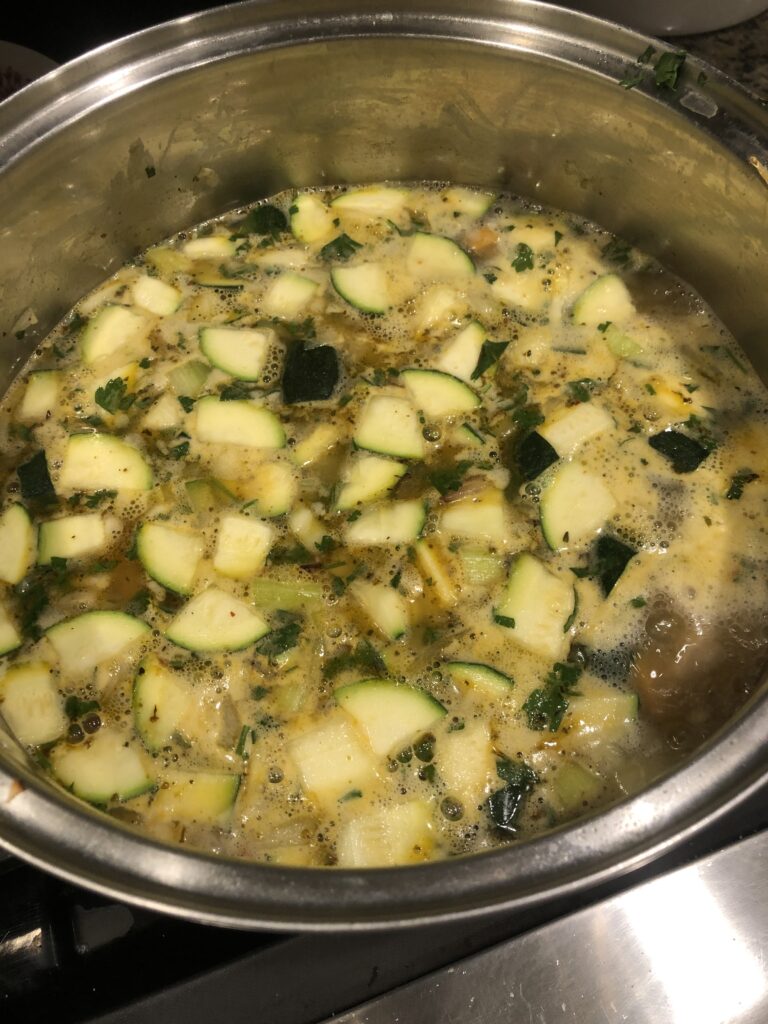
point(55, 832)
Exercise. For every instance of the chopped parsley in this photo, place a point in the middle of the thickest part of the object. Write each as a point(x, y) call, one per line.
point(283, 637)
point(739, 482)
point(546, 705)
point(364, 658)
point(490, 353)
point(340, 248)
point(667, 69)
point(523, 259)
point(114, 396)
point(263, 220)
point(449, 478)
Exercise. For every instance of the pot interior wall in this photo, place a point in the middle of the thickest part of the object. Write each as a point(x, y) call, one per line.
point(188, 146)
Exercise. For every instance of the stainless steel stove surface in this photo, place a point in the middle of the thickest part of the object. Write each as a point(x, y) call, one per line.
point(90, 959)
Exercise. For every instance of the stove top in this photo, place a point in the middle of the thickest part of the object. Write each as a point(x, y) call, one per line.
point(94, 960)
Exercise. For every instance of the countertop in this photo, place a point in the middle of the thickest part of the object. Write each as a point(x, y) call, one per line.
point(741, 51)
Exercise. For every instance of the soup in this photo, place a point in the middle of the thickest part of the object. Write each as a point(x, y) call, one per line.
point(379, 525)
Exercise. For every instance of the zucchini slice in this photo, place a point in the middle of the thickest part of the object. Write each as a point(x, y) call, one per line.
point(273, 490)
point(41, 396)
point(396, 522)
point(332, 760)
point(384, 606)
point(315, 445)
point(188, 378)
point(160, 700)
point(535, 606)
point(17, 544)
point(170, 554)
point(288, 296)
point(389, 425)
point(395, 834)
point(469, 201)
point(88, 640)
point(10, 638)
point(216, 621)
point(364, 286)
point(283, 596)
point(466, 763)
point(437, 578)
point(209, 247)
point(389, 713)
point(482, 516)
point(31, 704)
point(606, 299)
point(365, 479)
point(105, 767)
point(242, 546)
point(435, 258)
point(488, 682)
point(241, 352)
point(239, 422)
point(165, 414)
point(575, 504)
point(438, 394)
point(155, 295)
point(311, 220)
point(114, 331)
point(71, 537)
point(376, 201)
point(571, 428)
point(306, 528)
point(98, 462)
point(204, 798)
point(460, 355)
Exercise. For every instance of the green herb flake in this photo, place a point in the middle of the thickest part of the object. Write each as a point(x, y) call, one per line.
point(580, 390)
point(139, 603)
point(449, 478)
point(638, 602)
point(739, 482)
point(259, 692)
point(617, 251)
point(242, 740)
point(504, 620)
point(559, 236)
point(340, 248)
point(186, 403)
point(263, 220)
point(150, 171)
point(506, 804)
point(364, 658)
point(489, 276)
point(395, 581)
point(490, 354)
point(96, 499)
point(352, 794)
point(114, 396)
point(647, 55)
point(235, 392)
point(523, 259)
point(283, 637)
point(325, 545)
point(179, 451)
point(546, 706)
point(603, 327)
point(632, 79)
point(668, 68)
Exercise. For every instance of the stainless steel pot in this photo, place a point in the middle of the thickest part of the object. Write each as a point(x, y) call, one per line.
point(174, 125)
